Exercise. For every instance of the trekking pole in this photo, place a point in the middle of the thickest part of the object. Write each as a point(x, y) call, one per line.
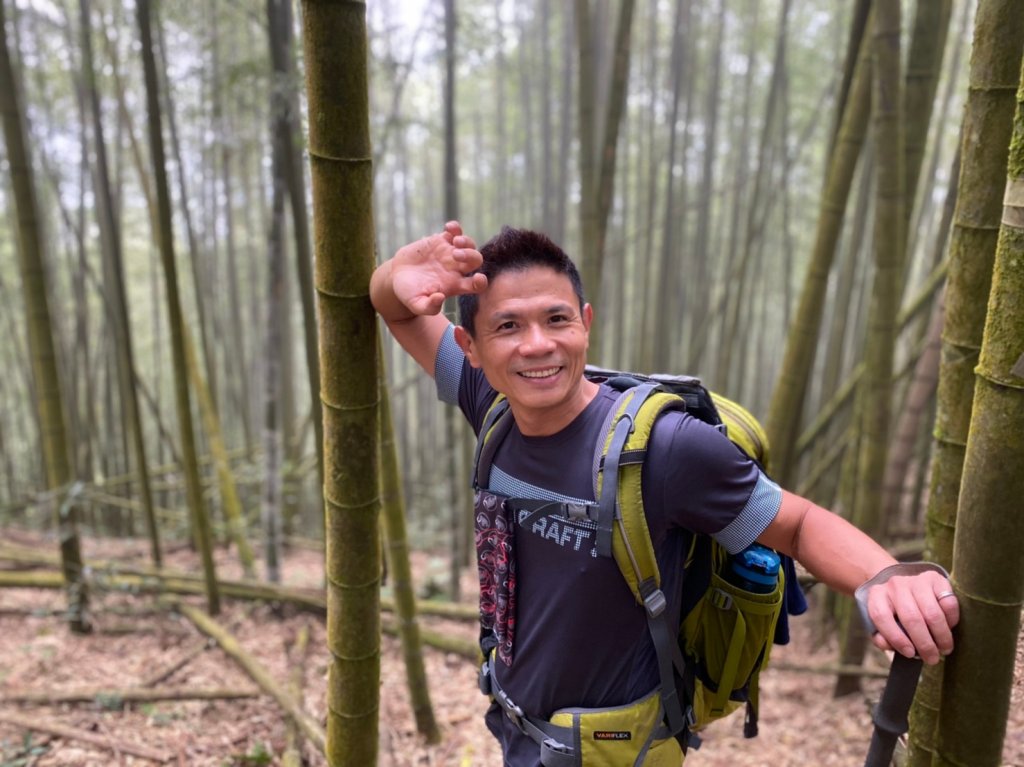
point(890, 715)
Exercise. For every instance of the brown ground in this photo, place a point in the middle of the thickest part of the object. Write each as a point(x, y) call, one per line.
point(800, 725)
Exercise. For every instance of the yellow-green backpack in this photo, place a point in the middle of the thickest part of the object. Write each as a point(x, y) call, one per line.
point(709, 663)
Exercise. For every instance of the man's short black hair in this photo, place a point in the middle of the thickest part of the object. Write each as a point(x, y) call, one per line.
point(513, 250)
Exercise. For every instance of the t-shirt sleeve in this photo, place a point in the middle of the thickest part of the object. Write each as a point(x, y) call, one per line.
point(448, 366)
point(701, 481)
point(458, 383)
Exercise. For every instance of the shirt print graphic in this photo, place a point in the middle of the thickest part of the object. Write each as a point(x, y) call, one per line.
point(496, 564)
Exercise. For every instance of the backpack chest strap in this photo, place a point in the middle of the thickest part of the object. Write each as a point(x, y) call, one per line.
point(537, 507)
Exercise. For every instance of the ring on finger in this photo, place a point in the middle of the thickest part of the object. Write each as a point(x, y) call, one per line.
point(944, 594)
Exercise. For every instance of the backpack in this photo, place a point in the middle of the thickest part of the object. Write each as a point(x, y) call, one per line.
point(709, 663)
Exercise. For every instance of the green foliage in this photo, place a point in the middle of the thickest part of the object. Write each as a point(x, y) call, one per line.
point(21, 755)
point(109, 702)
point(159, 716)
point(259, 754)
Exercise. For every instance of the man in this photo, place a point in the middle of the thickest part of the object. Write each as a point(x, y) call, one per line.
point(568, 629)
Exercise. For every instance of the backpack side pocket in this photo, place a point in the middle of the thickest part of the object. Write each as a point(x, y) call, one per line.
point(727, 637)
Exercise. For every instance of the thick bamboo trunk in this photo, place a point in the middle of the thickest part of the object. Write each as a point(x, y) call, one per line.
point(341, 155)
point(42, 346)
point(986, 131)
point(988, 569)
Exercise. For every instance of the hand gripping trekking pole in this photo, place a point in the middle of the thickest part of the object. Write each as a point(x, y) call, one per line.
point(890, 715)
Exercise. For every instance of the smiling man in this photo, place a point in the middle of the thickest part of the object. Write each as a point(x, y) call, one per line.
point(566, 629)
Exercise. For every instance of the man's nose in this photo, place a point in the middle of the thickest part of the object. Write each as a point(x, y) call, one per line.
point(536, 341)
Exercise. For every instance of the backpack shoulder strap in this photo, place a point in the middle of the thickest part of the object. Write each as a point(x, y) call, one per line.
point(497, 423)
point(622, 527)
point(622, 530)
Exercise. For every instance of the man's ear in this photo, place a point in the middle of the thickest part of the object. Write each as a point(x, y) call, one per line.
point(588, 316)
point(465, 342)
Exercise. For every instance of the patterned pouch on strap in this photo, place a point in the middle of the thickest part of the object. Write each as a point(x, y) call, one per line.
point(496, 564)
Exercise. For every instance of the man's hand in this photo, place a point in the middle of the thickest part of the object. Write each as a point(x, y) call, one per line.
point(926, 610)
point(424, 273)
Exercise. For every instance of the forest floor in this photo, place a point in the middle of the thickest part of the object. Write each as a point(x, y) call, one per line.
point(801, 724)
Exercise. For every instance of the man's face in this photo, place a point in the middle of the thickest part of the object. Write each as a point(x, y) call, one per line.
point(531, 343)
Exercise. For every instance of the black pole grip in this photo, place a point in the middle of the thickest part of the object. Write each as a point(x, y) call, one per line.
point(890, 715)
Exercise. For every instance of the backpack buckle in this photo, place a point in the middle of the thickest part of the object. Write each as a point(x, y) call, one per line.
point(511, 709)
point(576, 511)
point(484, 677)
point(552, 752)
point(720, 599)
point(691, 717)
point(654, 598)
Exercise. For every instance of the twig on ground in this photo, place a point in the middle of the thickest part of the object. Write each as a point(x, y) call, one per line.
point(72, 733)
point(162, 674)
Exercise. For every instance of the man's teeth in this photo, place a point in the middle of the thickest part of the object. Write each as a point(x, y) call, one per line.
point(539, 373)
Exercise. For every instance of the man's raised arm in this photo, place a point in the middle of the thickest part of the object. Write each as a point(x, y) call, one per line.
point(409, 289)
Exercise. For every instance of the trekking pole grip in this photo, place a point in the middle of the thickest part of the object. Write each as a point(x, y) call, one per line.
point(890, 715)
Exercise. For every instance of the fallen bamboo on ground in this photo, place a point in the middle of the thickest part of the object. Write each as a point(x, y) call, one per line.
point(72, 733)
point(162, 583)
point(146, 580)
point(310, 729)
point(828, 669)
point(468, 649)
point(115, 698)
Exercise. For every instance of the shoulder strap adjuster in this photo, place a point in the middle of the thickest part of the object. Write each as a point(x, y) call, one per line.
point(654, 598)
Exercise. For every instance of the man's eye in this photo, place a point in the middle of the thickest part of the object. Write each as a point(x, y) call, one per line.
point(557, 318)
point(506, 325)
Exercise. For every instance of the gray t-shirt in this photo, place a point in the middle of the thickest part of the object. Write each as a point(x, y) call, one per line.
point(580, 638)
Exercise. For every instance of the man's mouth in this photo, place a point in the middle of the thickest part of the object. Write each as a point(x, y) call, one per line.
point(544, 373)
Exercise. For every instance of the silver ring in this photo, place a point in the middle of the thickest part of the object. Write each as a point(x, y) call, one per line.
point(944, 594)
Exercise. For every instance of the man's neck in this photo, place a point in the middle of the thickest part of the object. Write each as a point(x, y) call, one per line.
point(543, 423)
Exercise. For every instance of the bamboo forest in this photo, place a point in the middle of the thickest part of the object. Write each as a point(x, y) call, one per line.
point(237, 523)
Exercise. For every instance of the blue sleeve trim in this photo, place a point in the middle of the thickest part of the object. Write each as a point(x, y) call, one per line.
point(760, 509)
point(448, 367)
